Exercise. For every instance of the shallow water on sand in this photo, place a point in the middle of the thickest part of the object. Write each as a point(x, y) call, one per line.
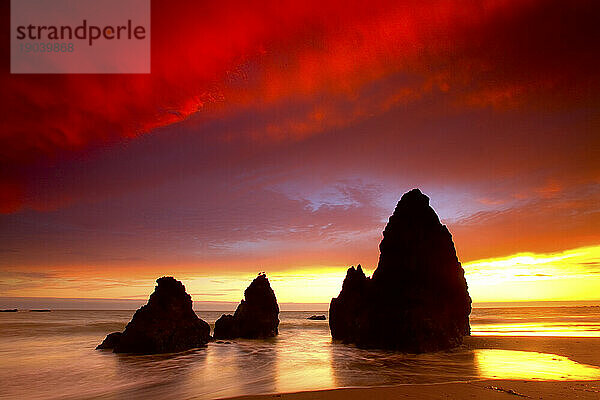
point(51, 355)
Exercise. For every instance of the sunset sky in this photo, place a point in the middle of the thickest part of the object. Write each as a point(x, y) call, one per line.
point(278, 136)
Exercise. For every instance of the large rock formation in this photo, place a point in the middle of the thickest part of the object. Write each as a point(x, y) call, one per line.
point(167, 324)
point(417, 298)
point(257, 316)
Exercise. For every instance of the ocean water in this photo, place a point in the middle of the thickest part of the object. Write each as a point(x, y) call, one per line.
point(51, 356)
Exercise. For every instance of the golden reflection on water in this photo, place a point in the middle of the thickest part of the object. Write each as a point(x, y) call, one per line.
point(536, 329)
point(307, 368)
point(512, 364)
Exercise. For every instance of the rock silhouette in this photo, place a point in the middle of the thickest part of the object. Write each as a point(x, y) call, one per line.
point(257, 316)
point(167, 324)
point(317, 317)
point(110, 341)
point(417, 299)
point(226, 327)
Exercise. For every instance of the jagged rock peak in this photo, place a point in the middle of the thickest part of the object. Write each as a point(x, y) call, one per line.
point(166, 324)
point(417, 299)
point(257, 316)
point(260, 291)
point(169, 292)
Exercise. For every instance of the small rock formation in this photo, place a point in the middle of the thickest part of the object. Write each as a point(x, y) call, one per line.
point(167, 324)
point(417, 299)
point(227, 327)
point(317, 317)
point(110, 341)
point(10, 310)
point(257, 316)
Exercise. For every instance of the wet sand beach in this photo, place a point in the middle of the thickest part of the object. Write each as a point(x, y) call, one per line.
point(579, 355)
point(484, 389)
point(47, 356)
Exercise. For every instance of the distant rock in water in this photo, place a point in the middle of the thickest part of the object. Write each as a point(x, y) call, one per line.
point(417, 300)
point(317, 317)
point(257, 316)
point(10, 310)
point(167, 324)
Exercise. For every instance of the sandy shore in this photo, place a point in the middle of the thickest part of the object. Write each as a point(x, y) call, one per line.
point(488, 389)
point(581, 350)
point(584, 350)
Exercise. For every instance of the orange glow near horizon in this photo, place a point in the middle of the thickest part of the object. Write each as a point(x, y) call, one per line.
point(568, 275)
point(565, 276)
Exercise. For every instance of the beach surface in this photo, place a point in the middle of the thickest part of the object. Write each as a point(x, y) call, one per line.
point(544, 352)
point(585, 351)
point(484, 389)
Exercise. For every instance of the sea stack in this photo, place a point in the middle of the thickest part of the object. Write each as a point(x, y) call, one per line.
point(417, 299)
point(257, 316)
point(167, 324)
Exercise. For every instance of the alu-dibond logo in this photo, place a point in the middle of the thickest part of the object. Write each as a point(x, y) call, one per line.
point(80, 36)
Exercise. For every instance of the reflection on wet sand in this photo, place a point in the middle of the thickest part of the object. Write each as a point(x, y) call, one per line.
point(160, 375)
point(257, 361)
point(358, 367)
point(50, 363)
point(511, 364)
point(306, 367)
point(236, 367)
point(535, 329)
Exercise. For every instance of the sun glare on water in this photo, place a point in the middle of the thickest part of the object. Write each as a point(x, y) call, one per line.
point(511, 364)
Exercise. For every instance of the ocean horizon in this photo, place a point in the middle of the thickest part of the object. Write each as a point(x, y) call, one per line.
point(101, 304)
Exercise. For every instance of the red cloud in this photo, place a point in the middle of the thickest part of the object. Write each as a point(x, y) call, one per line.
point(214, 58)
